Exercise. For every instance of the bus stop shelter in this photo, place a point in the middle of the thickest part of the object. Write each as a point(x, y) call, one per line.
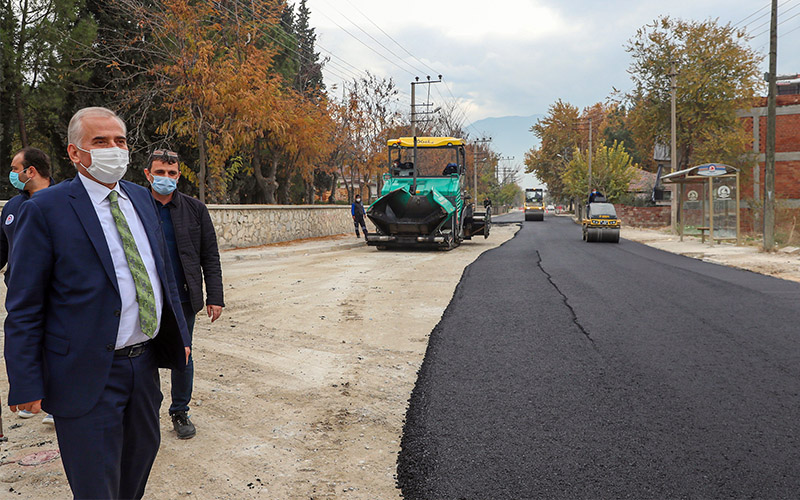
point(708, 201)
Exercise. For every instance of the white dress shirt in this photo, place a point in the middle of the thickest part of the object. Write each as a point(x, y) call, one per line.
point(130, 332)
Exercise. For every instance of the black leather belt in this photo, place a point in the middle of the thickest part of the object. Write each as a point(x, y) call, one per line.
point(132, 351)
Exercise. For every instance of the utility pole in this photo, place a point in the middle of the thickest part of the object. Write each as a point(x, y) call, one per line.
point(475, 166)
point(590, 155)
point(414, 113)
point(769, 160)
point(673, 150)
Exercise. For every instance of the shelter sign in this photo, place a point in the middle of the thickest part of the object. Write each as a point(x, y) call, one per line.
point(711, 170)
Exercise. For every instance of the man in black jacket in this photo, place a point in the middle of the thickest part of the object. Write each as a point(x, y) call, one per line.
point(30, 173)
point(192, 246)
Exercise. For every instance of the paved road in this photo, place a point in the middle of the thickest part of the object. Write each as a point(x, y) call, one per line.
point(564, 369)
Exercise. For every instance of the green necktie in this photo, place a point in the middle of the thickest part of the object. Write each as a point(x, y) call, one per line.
point(144, 290)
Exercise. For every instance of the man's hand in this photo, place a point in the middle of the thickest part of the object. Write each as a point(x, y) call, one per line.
point(188, 352)
point(33, 406)
point(214, 312)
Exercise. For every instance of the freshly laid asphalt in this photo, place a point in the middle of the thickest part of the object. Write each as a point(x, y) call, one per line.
point(564, 369)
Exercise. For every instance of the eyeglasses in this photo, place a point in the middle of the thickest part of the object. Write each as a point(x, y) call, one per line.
point(165, 155)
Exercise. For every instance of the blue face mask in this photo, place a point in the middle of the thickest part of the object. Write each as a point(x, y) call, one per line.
point(14, 178)
point(164, 185)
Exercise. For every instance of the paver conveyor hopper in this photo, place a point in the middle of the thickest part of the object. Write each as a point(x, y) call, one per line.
point(423, 203)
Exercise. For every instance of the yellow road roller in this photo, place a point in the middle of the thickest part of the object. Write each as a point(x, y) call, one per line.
point(601, 223)
point(534, 204)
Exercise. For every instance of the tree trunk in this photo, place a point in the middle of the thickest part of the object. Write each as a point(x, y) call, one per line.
point(201, 174)
point(284, 183)
point(346, 185)
point(271, 185)
point(23, 132)
point(310, 192)
point(334, 178)
point(261, 182)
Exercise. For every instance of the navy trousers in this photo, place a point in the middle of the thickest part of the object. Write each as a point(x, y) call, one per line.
point(183, 382)
point(357, 222)
point(108, 452)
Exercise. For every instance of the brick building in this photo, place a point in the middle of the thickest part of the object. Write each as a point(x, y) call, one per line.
point(787, 150)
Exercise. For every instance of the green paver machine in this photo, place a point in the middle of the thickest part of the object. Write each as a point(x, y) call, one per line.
point(422, 201)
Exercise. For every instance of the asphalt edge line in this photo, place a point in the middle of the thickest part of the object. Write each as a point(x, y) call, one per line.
point(403, 483)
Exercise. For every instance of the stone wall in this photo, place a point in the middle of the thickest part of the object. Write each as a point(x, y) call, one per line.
point(254, 225)
point(643, 216)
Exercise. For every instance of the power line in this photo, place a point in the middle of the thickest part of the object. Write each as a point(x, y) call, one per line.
point(785, 20)
point(368, 34)
point(462, 112)
point(366, 45)
point(392, 39)
point(457, 104)
point(293, 50)
point(751, 15)
point(786, 33)
point(340, 68)
point(767, 21)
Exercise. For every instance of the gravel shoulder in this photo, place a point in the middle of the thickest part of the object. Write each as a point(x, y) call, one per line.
point(784, 263)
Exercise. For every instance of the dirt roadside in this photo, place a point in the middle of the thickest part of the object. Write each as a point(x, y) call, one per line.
point(784, 263)
point(300, 388)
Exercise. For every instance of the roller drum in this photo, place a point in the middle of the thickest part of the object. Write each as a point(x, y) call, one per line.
point(602, 234)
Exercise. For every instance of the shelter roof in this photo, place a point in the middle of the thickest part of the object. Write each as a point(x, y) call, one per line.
point(426, 142)
point(700, 171)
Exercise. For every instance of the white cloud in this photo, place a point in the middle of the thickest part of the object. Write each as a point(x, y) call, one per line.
point(510, 57)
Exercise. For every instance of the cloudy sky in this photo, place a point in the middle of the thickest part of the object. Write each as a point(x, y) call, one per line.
point(516, 57)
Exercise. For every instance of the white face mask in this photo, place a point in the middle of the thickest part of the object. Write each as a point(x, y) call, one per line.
point(108, 164)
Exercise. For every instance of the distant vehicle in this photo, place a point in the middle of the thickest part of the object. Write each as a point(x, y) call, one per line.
point(534, 204)
point(551, 208)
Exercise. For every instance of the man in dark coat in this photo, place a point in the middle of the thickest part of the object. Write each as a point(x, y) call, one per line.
point(594, 195)
point(192, 247)
point(30, 173)
point(93, 311)
point(358, 213)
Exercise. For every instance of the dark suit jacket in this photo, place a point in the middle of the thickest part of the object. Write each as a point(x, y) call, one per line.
point(9, 221)
point(63, 301)
point(197, 247)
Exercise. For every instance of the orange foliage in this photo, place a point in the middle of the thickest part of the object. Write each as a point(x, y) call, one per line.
point(224, 94)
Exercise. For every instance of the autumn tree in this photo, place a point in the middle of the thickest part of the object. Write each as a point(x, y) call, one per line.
point(366, 115)
point(718, 74)
point(612, 172)
point(617, 129)
point(559, 137)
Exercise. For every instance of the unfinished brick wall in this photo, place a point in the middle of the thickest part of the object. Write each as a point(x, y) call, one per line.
point(787, 148)
point(643, 216)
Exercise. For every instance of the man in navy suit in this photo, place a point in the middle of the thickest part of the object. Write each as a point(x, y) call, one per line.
point(93, 311)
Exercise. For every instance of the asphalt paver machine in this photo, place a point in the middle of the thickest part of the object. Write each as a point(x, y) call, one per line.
point(424, 200)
